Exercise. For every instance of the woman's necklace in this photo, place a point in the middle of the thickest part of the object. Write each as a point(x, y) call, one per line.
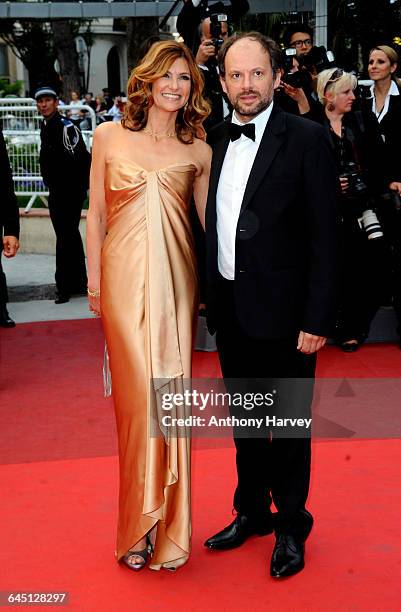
point(156, 135)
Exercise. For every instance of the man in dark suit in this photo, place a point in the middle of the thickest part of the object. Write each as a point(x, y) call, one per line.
point(271, 265)
point(9, 227)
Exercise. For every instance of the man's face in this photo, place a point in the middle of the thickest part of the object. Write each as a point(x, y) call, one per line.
point(47, 106)
point(301, 42)
point(249, 82)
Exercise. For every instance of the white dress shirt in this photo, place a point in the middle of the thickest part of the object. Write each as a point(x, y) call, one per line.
point(235, 172)
point(393, 91)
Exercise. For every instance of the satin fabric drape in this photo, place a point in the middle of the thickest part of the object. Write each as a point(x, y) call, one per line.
point(148, 303)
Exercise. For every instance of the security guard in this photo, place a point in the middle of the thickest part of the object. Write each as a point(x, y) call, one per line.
point(65, 165)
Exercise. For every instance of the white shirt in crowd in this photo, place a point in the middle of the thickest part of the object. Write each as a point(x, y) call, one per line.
point(235, 171)
point(393, 91)
point(115, 112)
point(74, 112)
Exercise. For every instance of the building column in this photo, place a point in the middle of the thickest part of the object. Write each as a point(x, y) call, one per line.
point(321, 23)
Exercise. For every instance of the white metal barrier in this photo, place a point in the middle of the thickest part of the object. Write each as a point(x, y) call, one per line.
point(21, 129)
point(16, 101)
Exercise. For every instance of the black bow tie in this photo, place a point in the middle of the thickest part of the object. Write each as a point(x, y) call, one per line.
point(247, 129)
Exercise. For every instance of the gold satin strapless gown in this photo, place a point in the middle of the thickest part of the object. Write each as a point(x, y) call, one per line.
point(149, 299)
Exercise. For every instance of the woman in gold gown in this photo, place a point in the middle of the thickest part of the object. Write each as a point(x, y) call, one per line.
point(142, 281)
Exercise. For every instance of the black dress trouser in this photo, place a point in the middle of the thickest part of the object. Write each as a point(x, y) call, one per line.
point(65, 213)
point(269, 467)
point(3, 283)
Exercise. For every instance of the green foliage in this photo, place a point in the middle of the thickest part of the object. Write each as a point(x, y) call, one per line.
point(266, 23)
point(10, 89)
point(355, 27)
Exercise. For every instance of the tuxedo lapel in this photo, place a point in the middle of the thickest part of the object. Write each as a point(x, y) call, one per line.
point(219, 152)
point(272, 140)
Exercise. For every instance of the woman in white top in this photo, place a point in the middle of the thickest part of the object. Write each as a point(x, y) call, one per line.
point(385, 103)
point(74, 113)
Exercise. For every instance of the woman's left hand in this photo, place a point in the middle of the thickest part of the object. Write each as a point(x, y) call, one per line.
point(94, 305)
point(297, 94)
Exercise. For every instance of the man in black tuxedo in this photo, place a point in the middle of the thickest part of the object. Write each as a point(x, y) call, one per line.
point(271, 266)
point(9, 227)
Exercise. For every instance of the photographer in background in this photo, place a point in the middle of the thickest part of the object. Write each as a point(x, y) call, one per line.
point(204, 28)
point(195, 11)
point(294, 92)
point(358, 150)
point(297, 92)
point(206, 60)
point(299, 36)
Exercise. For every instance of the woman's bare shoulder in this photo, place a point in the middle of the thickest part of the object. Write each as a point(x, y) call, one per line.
point(107, 130)
point(202, 149)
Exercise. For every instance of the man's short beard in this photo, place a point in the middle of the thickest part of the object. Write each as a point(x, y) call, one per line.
point(260, 107)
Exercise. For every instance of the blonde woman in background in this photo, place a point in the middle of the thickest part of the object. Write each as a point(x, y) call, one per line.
point(384, 100)
point(358, 150)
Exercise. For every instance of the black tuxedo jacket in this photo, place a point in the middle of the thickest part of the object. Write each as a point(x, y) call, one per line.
point(286, 240)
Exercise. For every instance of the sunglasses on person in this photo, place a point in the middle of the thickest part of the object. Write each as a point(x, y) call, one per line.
point(337, 74)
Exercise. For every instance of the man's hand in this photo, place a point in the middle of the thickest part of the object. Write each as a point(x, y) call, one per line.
point(395, 186)
point(206, 50)
point(309, 343)
point(10, 245)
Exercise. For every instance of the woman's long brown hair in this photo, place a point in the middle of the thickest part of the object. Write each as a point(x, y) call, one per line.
point(154, 65)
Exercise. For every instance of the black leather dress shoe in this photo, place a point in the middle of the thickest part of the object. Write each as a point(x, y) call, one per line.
point(61, 298)
point(350, 347)
point(5, 319)
point(288, 556)
point(237, 532)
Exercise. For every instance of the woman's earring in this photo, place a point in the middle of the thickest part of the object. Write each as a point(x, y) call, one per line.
point(330, 107)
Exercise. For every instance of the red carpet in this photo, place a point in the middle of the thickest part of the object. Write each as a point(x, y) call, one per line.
point(59, 486)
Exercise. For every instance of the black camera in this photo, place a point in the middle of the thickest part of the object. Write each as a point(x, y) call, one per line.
point(216, 21)
point(316, 60)
point(298, 78)
point(356, 186)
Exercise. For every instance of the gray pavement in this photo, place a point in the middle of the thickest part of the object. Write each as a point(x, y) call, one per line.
point(31, 288)
point(30, 280)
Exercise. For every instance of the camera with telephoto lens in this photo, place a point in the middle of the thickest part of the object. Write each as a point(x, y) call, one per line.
point(356, 186)
point(357, 189)
point(371, 224)
point(298, 78)
point(216, 20)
